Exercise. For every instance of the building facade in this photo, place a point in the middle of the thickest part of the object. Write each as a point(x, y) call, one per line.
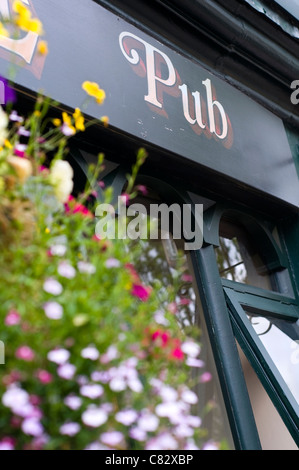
point(209, 88)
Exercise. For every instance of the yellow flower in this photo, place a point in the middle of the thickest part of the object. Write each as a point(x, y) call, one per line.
point(68, 129)
point(79, 120)
point(8, 144)
point(43, 48)
point(57, 122)
point(3, 31)
point(105, 120)
point(93, 89)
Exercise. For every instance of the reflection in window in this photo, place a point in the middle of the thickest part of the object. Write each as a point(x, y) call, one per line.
point(281, 340)
point(160, 265)
point(239, 258)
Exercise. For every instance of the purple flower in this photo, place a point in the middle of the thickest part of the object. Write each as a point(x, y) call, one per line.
point(24, 132)
point(70, 429)
point(14, 117)
point(53, 310)
point(138, 434)
point(51, 286)
point(112, 438)
point(66, 371)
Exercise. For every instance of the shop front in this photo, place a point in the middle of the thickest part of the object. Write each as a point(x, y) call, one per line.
point(203, 86)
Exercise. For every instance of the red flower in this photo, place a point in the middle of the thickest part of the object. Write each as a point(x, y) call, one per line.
point(177, 353)
point(74, 207)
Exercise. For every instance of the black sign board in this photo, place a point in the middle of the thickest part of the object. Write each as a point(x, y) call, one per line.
point(153, 93)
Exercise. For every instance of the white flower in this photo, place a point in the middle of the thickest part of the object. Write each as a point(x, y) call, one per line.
point(32, 427)
point(192, 362)
point(110, 355)
point(112, 438)
point(59, 356)
point(148, 422)
point(69, 429)
point(191, 349)
point(15, 397)
point(73, 402)
point(66, 270)
point(94, 417)
point(160, 319)
point(86, 268)
point(189, 397)
point(92, 391)
point(126, 417)
point(51, 286)
point(53, 310)
point(90, 353)
point(138, 434)
point(112, 263)
point(61, 177)
point(168, 394)
point(66, 371)
point(58, 250)
point(118, 384)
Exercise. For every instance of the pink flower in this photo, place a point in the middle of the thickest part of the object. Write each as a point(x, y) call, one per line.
point(140, 292)
point(73, 402)
point(13, 318)
point(177, 353)
point(142, 189)
point(92, 391)
point(25, 353)
point(94, 417)
point(138, 434)
point(20, 150)
point(73, 207)
point(125, 198)
point(187, 278)
point(70, 429)
point(126, 417)
point(206, 377)
point(148, 422)
point(44, 377)
point(7, 444)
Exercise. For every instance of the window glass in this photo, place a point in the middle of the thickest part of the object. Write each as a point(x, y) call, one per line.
point(239, 259)
point(281, 340)
point(158, 265)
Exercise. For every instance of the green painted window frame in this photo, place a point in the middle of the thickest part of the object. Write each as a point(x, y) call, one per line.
point(240, 296)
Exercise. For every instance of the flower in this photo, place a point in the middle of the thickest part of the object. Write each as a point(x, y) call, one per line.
point(90, 353)
point(66, 371)
point(15, 396)
point(189, 397)
point(58, 250)
point(79, 120)
point(24, 132)
point(3, 31)
point(112, 438)
point(20, 150)
point(59, 356)
point(86, 268)
point(206, 377)
point(191, 349)
point(92, 391)
point(67, 127)
point(44, 377)
point(32, 427)
point(126, 417)
point(93, 89)
point(94, 417)
point(140, 292)
point(61, 177)
point(73, 402)
point(6, 444)
point(22, 167)
point(192, 362)
point(24, 20)
point(53, 310)
point(66, 270)
point(69, 429)
point(110, 355)
point(13, 318)
point(25, 354)
point(14, 117)
point(138, 434)
point(112, 263)
point(178, 354)
point(51, 286)
point(148, 422)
